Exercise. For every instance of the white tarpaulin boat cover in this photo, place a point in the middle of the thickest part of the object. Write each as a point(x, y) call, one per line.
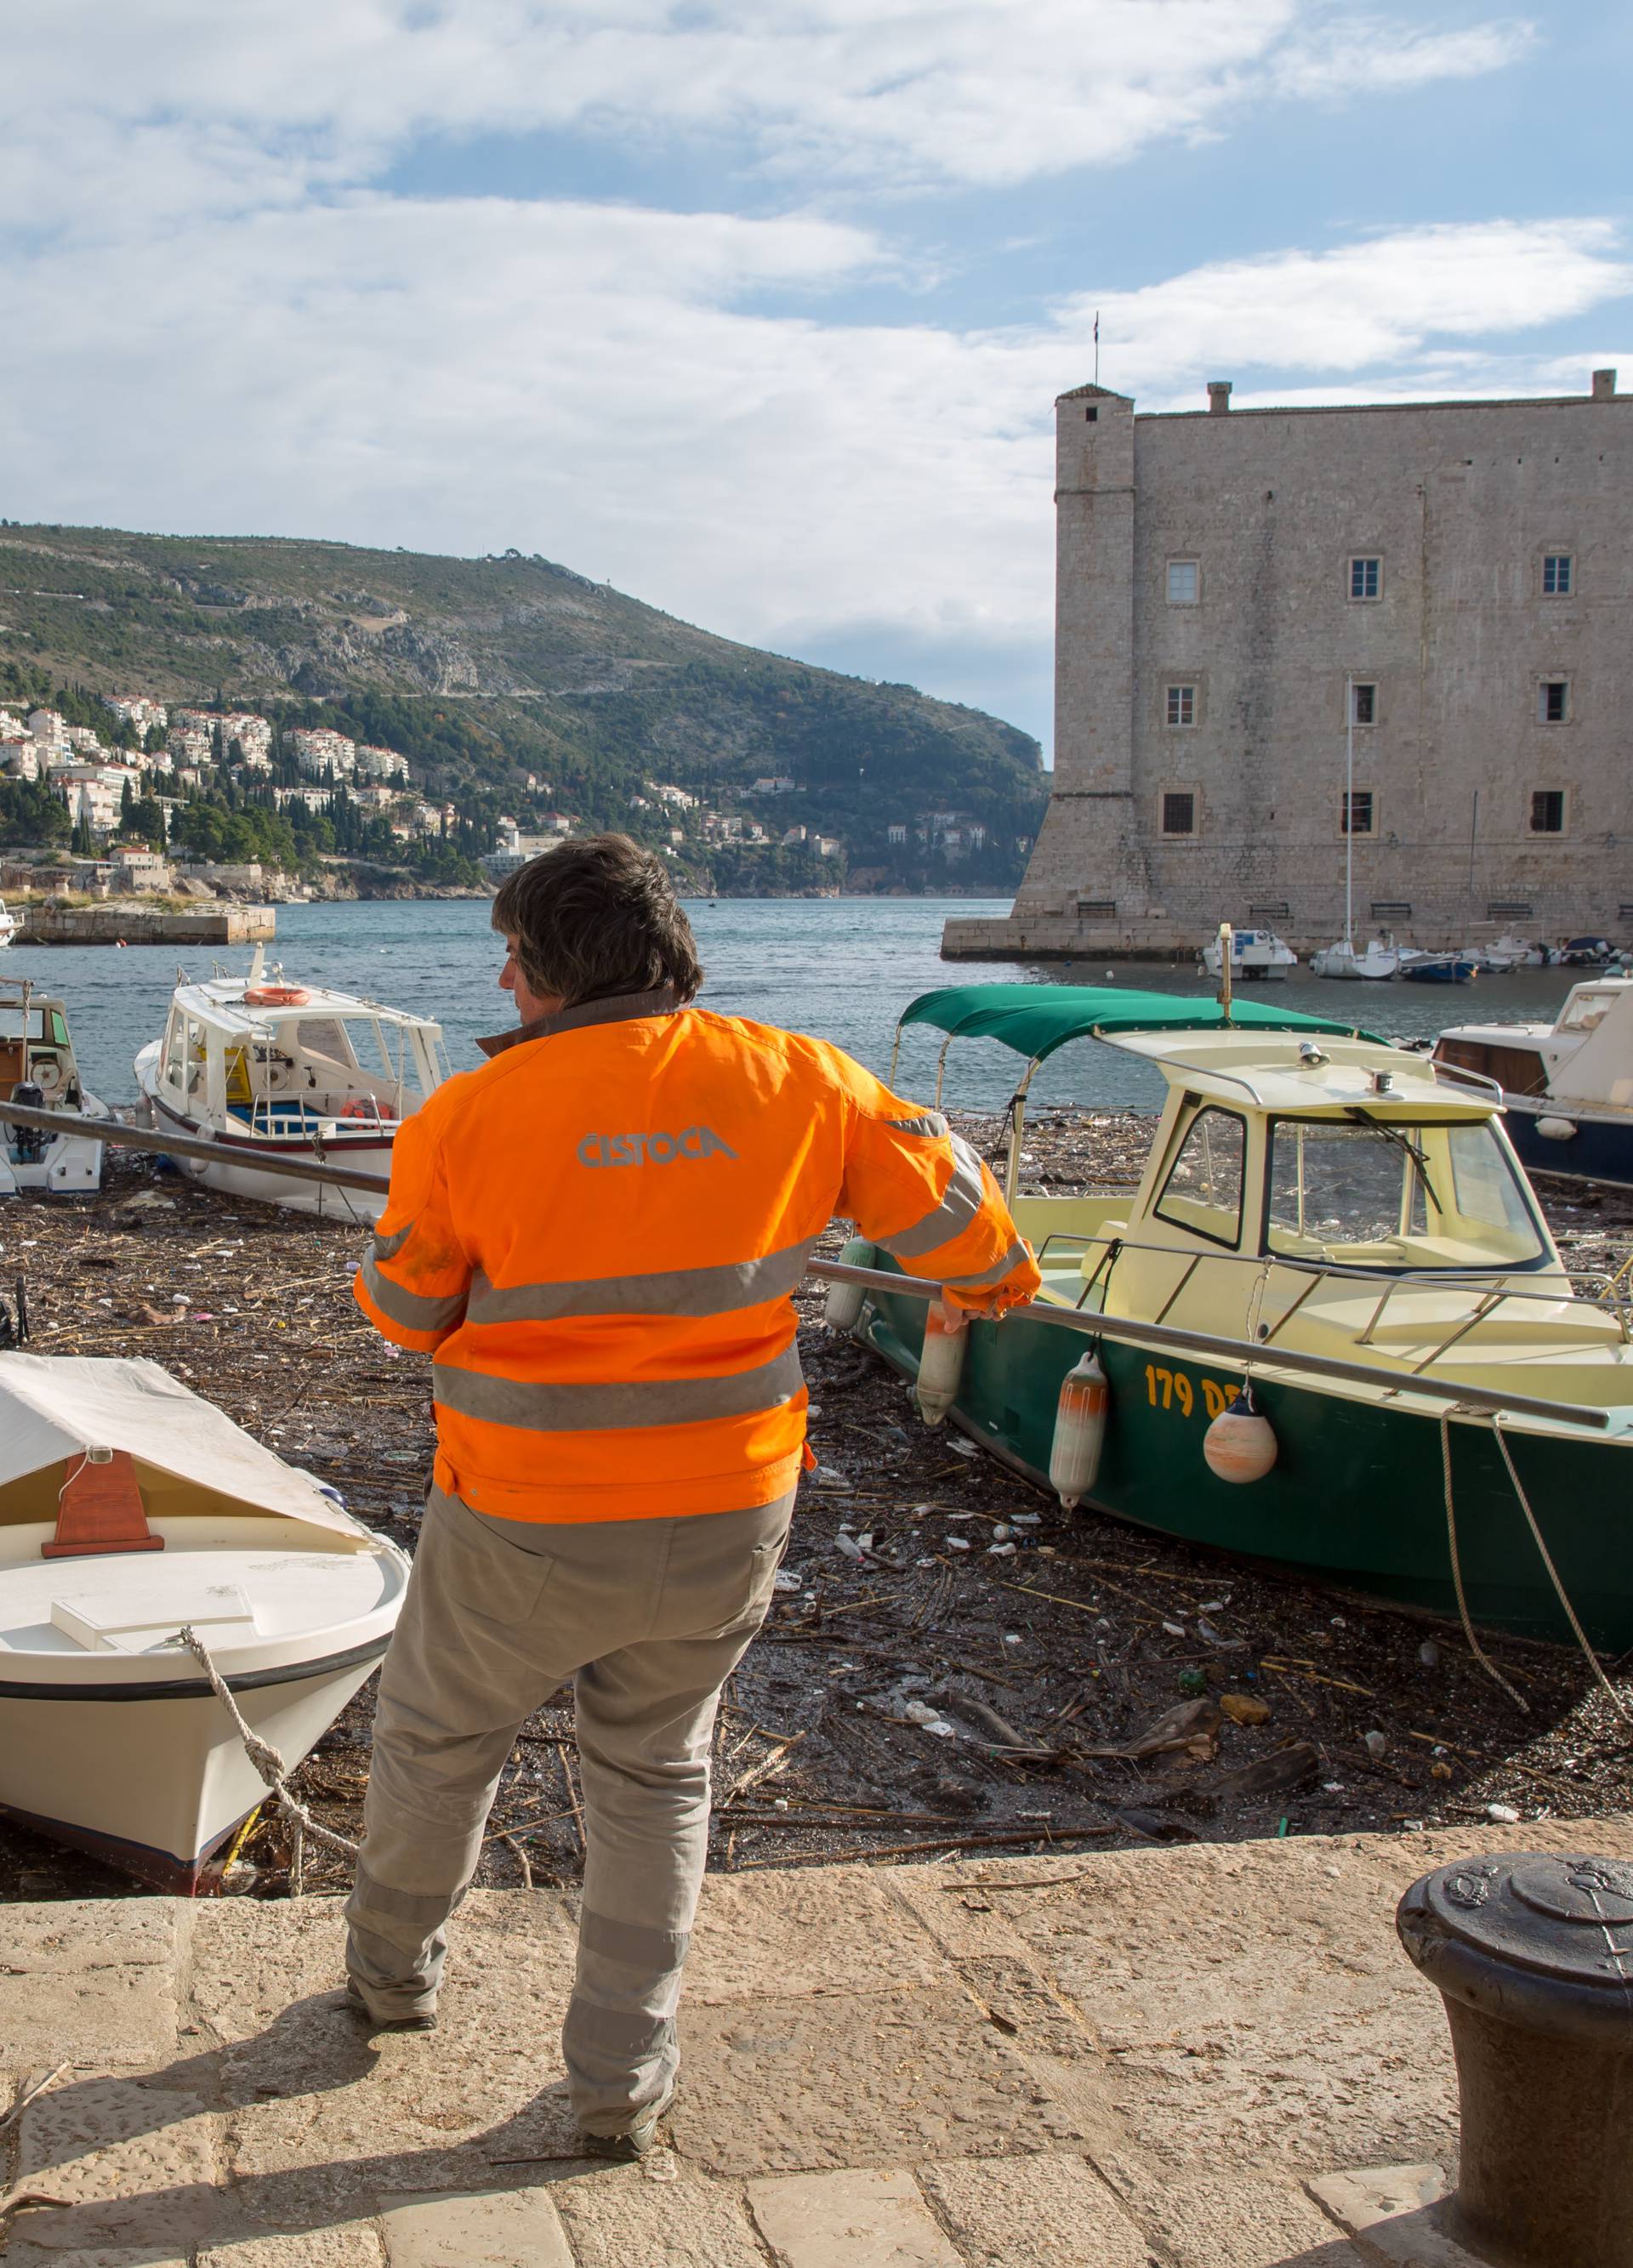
point(55, 1407)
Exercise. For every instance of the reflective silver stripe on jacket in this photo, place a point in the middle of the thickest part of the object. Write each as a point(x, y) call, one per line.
point(667, 1292)
point(995, 1273)
point(386, 1247)
point(933, 1125)
point(590, 1407)
point(415, 1311)
point(960, 1206)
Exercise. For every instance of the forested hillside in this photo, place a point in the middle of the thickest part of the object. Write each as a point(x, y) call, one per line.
point(515, 686)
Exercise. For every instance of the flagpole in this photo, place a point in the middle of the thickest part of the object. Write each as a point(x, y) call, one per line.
point(1096, 346)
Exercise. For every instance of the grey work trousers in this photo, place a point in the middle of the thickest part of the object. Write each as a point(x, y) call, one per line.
point(648, 1618)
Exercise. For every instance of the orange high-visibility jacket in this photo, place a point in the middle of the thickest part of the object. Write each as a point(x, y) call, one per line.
point(597, 1233)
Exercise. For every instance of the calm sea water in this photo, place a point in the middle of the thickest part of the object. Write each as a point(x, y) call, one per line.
point(842, 968)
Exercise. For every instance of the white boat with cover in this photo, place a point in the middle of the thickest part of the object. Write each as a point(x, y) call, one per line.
point(1376, 962)
point(263, 1067)
point(1257, 955)
point(9, 925)
point(38, 1067)
point(130, 1508)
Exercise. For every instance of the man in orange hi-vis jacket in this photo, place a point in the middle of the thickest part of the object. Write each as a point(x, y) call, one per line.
point(596, 1236)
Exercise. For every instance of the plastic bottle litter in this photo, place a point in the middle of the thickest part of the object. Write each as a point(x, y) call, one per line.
point(958, 1543)
point(933, 1721)
point(848, 1544)
point(1001, 1551)
point(1503, 1815)
point(1377, 1744)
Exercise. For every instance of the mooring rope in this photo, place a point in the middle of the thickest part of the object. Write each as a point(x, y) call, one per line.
point(1474, 1646)
point(1589, 1656)
point(267, 1763)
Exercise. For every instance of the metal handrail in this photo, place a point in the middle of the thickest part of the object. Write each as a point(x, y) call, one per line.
point(1433, 1279)
point(118, 1135)
point(1240, 1354)
point(1237, 1353)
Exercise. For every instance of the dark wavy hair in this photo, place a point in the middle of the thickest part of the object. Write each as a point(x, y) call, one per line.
point(597, 918)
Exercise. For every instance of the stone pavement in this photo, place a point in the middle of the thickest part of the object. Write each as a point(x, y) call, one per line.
point(1136, 2060)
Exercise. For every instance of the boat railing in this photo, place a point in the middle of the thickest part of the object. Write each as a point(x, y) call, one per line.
point(1469, 1076)
point(1211, 1071)
point(1446, 1397)
point(1475, 1284)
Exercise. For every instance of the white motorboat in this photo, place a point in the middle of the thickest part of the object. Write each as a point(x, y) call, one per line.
point(1257, 956)
point(128, 1508)
point(1567, 1086)
point(1376, 962)
point(38, 1068)
point(1511, 952)
point(9, 925)
point(262, 1067)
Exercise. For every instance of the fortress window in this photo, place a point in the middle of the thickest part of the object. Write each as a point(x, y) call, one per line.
point(1182, 704)
point(1364, 704)
point(1183, 582)
point(1556, 574)
point(1366, 578)
point(1355, 812)
point(1092, 416)
point(1548, 811)
point(1552, 700)
point(1178, 813)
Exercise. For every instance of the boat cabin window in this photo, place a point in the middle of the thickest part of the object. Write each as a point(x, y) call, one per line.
point(1382, 1195)
point(1203, 1191)
point(1585, 1010)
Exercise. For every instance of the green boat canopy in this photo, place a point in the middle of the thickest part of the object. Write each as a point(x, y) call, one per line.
point(1035, 1020)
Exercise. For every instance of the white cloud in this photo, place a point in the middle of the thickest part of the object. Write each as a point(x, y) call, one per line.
point(1363, 307)
point(969, 91)
point(587, 381)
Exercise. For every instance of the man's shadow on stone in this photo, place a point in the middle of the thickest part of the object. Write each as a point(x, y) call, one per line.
point(316, 2047)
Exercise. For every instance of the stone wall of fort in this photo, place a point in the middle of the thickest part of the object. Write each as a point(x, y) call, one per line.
point(1201, 715)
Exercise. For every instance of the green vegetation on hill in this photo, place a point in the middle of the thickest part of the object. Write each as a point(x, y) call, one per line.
point(482, 672)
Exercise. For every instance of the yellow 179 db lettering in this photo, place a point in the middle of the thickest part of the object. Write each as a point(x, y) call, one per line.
point(1169, 1389)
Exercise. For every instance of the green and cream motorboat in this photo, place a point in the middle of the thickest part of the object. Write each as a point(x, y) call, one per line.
point(1343, 1227)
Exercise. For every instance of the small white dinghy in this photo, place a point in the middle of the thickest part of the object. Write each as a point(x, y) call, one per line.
point(129, 1506)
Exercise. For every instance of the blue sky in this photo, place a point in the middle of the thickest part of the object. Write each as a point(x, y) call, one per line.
point(758, 310)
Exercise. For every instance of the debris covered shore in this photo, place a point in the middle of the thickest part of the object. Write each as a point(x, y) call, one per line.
point(950, 1664)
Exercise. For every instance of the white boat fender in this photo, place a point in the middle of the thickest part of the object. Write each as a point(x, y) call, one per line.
point(845, 1302)
point(1557, 1129)
point(1079, 1430)
point(1240, 1445)
point(941, 1362)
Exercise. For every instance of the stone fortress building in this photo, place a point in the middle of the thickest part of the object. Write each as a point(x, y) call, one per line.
point(1235, 589)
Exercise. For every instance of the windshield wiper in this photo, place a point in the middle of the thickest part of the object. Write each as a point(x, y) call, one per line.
point(1394, 1136)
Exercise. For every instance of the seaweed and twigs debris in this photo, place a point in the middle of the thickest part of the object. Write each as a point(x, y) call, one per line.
point(949, 1662)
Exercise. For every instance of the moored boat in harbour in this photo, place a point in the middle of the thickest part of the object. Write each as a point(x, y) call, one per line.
point(1329, 1222)
point(1376, 963)
point(262, 1067)
point(39, 1069)
point(1257, 956)
point(1567, 1086)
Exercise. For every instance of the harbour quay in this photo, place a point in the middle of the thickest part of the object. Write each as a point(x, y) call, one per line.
point(217, 925)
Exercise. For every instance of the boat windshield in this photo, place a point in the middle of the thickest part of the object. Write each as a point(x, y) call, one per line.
point(1374, 1193)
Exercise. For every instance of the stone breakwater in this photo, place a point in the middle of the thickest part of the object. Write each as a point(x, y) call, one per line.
point(148, 926)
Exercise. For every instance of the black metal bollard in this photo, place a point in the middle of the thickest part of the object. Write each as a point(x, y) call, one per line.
point(1533, 1957)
